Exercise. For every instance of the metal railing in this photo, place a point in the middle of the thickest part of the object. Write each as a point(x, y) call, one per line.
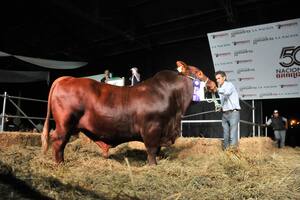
point(4, 116)
point(252, 107)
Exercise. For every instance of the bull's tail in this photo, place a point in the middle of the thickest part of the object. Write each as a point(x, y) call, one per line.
point(45, 133)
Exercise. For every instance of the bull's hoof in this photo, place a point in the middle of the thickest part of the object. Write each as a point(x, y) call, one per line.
point(106, 156)
point(60, 163)
point(152, 163)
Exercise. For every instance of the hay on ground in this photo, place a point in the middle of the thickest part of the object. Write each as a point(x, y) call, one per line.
point(192, 168)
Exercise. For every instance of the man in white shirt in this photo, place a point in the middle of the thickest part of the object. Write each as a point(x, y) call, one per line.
point(230, 110)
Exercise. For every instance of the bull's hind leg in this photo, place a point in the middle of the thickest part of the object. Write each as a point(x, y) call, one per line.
point(104, 147)
point(59, 141)
point(61, 136)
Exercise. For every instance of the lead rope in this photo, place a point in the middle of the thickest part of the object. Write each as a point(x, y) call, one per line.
point(214, 99)
point(190, 77)
point(218, 106)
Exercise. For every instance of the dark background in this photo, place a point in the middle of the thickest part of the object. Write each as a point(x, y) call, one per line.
point(118, 35)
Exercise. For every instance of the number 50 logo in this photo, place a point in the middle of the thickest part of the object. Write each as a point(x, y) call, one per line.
point(291, 54)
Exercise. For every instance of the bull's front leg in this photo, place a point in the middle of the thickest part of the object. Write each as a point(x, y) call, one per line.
point(151, 139)
point(152, 153)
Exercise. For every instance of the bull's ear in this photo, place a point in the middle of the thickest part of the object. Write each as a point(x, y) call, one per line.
point(199, 74)
point(181, 63)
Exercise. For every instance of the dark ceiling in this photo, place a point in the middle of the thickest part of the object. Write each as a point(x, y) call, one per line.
point(94, 30)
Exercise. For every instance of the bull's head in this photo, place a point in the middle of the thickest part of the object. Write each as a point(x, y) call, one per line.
point(192, 71)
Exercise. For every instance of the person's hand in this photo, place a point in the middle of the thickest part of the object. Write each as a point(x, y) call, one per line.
point(218, 108)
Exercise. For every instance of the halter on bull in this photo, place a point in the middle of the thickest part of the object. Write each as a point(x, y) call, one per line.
point(194, 72)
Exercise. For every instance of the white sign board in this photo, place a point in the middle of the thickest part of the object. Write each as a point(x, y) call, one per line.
point(262, 61)
point(117, 81)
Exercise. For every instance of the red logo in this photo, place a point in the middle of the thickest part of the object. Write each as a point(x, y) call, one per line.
point(243, 61)
point(246, 78)
point(219, 35)
point(222, 54)
point(279, 26)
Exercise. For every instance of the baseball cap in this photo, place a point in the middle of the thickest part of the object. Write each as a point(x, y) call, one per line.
point(275, 111)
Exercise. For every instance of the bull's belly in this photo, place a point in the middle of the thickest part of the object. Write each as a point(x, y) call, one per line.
point(112, 138)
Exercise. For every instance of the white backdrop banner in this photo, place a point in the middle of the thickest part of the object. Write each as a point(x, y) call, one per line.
point(262, 61)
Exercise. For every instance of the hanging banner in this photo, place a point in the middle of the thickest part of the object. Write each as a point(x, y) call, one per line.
point(53, 64)
point(263, 61)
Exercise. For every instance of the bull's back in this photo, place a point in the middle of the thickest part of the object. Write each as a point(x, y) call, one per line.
point(92, 106)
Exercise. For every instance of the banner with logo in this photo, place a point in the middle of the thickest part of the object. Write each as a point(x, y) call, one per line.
point(262, 61)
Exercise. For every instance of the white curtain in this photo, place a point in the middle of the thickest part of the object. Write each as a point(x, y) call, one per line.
point(2, 54)
point(53, 64)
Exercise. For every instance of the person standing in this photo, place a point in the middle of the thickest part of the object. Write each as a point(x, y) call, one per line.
point(106, 76)
point(279, 125)
point(135, 77)
point(230, 110)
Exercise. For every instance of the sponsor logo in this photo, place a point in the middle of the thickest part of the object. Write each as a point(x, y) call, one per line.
point(288, 85)
point(223, 63)
point(288, 72)
point(268, 94)
point(231, 80)
point(292, 93)
point(220, 46)
point(241, 42)
point(246, 78)
point(219, 35)
point(285, 25)
point(222, 54)
point(247, 88)
point(270, 86)
point(229, 71)
point(239, 32)
point(264, 28)
point(243, 61)
point(243, 51)
point(291, 54)
point(245, 70)
point(281, 37)
point(262, 39)
point(249, 95)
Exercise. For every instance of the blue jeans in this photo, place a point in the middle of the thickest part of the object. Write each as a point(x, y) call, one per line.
point(230, 123)
point(280, 137)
